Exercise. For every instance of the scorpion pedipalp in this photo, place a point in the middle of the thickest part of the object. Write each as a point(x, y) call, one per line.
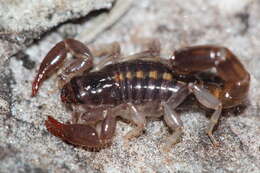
point(77, 134)
point(82, 134)
point(55, 59)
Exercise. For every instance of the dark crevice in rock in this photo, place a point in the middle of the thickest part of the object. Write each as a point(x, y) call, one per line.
point(27, 62)
point(21, 38)
point(5, 89)
point(244, 18)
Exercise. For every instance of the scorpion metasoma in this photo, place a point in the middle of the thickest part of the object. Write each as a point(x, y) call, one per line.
point(138, 87)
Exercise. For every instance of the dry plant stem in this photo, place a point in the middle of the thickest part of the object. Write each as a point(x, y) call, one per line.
point(105, 20)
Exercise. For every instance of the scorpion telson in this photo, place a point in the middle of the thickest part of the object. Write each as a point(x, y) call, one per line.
point(138, 87)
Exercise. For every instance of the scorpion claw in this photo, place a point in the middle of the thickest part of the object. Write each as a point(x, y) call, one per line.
point(77, 134)
point(54, 127)
point(55, 60)
point(50, 64)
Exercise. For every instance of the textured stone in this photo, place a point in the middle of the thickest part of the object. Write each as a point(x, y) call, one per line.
point(22, 21)
point(26, 146)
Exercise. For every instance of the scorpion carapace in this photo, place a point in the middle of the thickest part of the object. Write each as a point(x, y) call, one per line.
point(137, 87)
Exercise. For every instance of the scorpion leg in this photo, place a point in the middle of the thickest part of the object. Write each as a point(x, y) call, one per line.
point(138, 118)
point(111, 52)
point(228, 67)
point(152, 52)
point(55, 59)
point(106, 50)
point(210, 101)
point(89, 117)
point(84, 135)
point(171, 117)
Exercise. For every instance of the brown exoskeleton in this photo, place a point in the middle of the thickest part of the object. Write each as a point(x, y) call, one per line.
point(143, 84)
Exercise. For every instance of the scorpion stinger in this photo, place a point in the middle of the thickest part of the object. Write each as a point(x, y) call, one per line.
point(236, 78)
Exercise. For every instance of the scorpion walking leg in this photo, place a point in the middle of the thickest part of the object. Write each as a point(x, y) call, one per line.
point(152, 52)
point(84, 135)
point(91, 116)
point(106, 50)
point(55, 59)
point(209, 101)
point(138, 118)
point(171, 117)
point(111, 52)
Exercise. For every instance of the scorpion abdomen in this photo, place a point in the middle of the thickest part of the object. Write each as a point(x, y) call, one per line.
point(136, 81)
point(141, 81)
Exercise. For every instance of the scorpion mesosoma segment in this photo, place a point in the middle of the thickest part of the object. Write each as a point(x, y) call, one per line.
point(138, 87)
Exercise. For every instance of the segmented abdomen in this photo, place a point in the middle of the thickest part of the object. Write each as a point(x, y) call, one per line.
point(141, 81)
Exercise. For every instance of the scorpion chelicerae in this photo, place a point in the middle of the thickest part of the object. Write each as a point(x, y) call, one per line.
point(138, 87)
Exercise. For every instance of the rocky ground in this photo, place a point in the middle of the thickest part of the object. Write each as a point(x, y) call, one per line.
point(28, 32)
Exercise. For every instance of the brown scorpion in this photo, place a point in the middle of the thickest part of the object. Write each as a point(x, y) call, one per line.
point(137, 87)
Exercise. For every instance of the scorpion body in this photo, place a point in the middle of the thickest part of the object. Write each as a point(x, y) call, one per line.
point(136, 82)
point(144, 84)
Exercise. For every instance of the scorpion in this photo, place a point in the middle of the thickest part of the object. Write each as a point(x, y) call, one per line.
point(137, 87)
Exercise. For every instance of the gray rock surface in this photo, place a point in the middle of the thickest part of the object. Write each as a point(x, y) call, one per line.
point(26, 146)
point(22, 21)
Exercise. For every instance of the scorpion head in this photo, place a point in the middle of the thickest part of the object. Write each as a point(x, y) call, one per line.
point(92, 90)
point(68, 95)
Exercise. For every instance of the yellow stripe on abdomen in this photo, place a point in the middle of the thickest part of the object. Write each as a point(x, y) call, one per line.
point(140, 74)
point(153, 74)
point(167, 76)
